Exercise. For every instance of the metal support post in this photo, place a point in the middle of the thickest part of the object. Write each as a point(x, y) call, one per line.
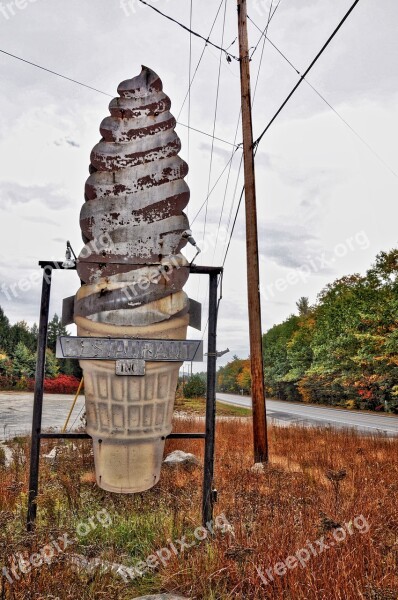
point(208, 495)
point(38, 398)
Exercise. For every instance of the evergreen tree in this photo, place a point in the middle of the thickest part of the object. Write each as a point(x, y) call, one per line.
point(55, 329)
point(20, 332)
point(195, 387)
point(52, 366)
point(34, 332)
point(23, 361)
point(4, 330)
point(303, 306)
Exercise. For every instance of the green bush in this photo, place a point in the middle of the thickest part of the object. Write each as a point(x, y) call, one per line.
point(195, 387)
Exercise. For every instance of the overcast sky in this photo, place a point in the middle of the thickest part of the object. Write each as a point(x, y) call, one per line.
point(326, 204)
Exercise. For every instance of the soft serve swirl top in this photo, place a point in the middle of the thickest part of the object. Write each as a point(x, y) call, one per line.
point(132, 221)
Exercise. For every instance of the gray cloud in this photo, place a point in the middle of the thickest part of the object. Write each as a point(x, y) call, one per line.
point(68, 141)
point(287, 246)
point(12, 193)
point(39, 219)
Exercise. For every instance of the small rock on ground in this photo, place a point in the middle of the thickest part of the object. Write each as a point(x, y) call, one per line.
point(7, 454)
point(258, 468)
point(178, 457)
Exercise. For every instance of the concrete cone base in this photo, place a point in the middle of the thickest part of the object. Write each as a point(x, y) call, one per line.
point(130, 415)
point(127, 467)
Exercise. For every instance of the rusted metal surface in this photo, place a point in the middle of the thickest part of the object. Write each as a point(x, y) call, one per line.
point(91, 348)
point(133, 216)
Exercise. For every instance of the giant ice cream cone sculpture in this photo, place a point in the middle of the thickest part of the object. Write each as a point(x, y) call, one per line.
point(132, 276)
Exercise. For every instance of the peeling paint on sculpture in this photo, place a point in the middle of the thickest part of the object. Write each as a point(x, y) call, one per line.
point(132, 284)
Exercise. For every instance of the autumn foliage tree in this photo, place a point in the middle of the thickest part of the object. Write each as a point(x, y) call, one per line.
point(343, 350)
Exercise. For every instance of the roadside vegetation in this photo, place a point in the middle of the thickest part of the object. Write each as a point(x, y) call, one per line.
point(342, 351)
point(18, 344)
point(317, 484)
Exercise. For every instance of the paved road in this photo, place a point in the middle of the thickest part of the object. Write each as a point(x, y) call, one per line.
point(288, 413)
point(16, 414)
point(16, 410)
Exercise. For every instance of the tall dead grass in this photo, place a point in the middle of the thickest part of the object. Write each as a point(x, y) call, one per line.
point(316, 479)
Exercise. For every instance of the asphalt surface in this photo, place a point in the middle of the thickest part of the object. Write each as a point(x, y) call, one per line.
point(16, 410)
point(16, 414)
point(288, 413)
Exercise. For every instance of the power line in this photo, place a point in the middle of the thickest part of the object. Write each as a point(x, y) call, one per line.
point(369, 147)
point(200, 59)
point(270, 17)
point(326, 44)
point(207, 134)
point(189, 84)
point(214, 186)
point(214, 129)
point(226, 188)
point(256, 143)
point(263, 35)
point(195, 33)
point(55, 73)
point(234, 194)
point(233, 226)
point(102, 92)
point(214, 122)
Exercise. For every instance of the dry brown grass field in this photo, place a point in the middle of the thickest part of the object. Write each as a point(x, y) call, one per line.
point(328, 497)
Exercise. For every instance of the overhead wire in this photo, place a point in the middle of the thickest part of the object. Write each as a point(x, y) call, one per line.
point(189, 85)
point(195, 33)
point(56, 73)
point(264, 33)
point(102, 92)
point(258, 140)
point(369, 147)
point(206, 134)
point(214, 130)
point(270, 17)
point(264, 36)
point(226, 189)
point(214, 123)
point(214, 186)
point(200, 59)
point(321, 51)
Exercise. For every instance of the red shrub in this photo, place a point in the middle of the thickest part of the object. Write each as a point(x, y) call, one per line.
point(6, 382)
point(62, 384)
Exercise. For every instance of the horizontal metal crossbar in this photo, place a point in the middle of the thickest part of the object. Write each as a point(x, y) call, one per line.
point(197, 269)
point(85, 436)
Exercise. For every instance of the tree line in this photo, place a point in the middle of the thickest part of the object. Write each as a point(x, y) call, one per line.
point(341, 351)
point(18, 349)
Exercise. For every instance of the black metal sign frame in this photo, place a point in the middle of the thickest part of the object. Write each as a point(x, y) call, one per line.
point(208, 494)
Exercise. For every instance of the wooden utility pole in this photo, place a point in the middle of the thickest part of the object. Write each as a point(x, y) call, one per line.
point(253, 280)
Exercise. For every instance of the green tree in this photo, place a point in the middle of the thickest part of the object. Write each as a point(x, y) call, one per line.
point(277, 364)
point(227, 376)
point(52, 366)
point(34, 332)
point(195, 387)
point(244, 379)
point(303, 306)
point(20, 332)
point(55, 329)
point(4, 330)
point(68, 366)
point(299, 350)
point(23, 361)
